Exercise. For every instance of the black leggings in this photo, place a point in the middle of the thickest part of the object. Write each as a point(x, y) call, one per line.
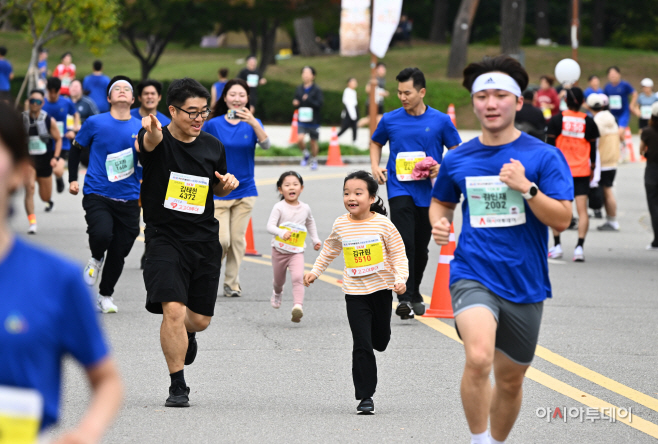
point(346, 124)
point(651, 187)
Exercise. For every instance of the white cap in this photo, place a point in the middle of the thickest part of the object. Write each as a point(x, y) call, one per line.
point(597, 101)
point(647, 82)
point(654, 109)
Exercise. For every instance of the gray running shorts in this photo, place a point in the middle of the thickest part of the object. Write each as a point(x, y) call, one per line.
point(518, 324)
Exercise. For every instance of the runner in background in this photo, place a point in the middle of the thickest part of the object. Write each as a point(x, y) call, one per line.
point(83, 104)
point(95, 84)
point(61, 108)
point(6, 75)
point(149, 95)
point(42, 66)
point(350, 113)
point(309, 100)
point(380, 94)
point(218, 86)
point(546, 97)
point(594, 87)
point(46, 317)
point(618, 91)
point(254, 79)
point(44, 146)
point(645, 100)
point(529, 118)
point(414, 132)
point(65, 72)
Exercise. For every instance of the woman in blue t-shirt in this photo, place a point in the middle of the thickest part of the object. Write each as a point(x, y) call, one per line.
point(239, 131)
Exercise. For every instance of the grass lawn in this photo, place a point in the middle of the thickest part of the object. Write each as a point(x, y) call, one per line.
point(333, 70)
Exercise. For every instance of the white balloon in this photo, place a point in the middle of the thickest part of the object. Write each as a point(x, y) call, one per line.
point(567, 71)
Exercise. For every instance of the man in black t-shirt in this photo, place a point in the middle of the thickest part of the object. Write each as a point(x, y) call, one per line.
point(529, 118)
point(253, 77)
point(183, 168)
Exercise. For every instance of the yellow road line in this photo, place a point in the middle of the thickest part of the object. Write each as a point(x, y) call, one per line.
point(544, 379)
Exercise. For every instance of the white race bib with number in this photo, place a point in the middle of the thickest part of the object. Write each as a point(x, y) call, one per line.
point(405, 163)
point(252, 80)
point(615, 102)
point(120, 165)
point(645, 112)
point(305, 114)
point(492, 204)
point(20, 415)
point(36, 146)
point(187, 193)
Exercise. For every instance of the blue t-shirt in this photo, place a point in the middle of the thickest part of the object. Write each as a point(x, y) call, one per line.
point(43, 65)
point(240, 146)
point(509, 261)
point(44, 316)
point(111, 176)
point(59, 110)
point(618, 98)
point(589, 90)
point(219, 88)
point(5, 72)
point(164, 120)
point(97, 90)
point(428, 132)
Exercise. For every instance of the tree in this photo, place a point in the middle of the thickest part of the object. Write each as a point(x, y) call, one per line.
point(461, 32)
point(439, 21)
point(512, 25)
point(92, 22)
point(598, 23)
point(542, 24)
point(305, 33)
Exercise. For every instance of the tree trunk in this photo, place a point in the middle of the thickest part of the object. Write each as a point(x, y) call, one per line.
point(439, 22)
point(252, 37)
point(461, 32)
point(541, 19)
point(268, 45)
point(305, 33)
point(512, 25)
point(598, 23)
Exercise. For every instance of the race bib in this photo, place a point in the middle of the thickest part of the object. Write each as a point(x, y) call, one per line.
point(405, 163)
point(187, 193)
point(120, 165)
point(363, 256)
point(645, 112)
point(379, 94)
point(252, 80)
point(20, 415)
point(493, 204)
point(615, 102)
point(297, 237)
point(547, 113)
point(305, 114)
point(60, 127)
point(70, 121)
point(573, 127)
point(36, 146)
point(66, 81)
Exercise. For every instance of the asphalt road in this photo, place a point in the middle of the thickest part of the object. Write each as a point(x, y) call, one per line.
point(260, 378)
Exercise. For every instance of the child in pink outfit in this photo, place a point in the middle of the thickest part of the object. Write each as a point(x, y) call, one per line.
point(289, 223)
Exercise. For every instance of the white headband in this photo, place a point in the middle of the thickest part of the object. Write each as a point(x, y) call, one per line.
point(496, 80)
point(121, 81)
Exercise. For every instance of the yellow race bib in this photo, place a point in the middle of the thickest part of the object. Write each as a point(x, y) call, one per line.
point(405, 163)
point(20, 415)
point(363, 256)
point(297, 238)
point(187, 193)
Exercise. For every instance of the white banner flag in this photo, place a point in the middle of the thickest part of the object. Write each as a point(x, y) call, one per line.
point(386, 17)
point(354, 27)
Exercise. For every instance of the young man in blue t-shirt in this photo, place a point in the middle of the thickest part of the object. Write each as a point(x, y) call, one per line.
point(95, 85)
point(149, 94)
point(6, 74)
point(514, 186)
point(111, 188)
point(413, 132)
point(618, 91)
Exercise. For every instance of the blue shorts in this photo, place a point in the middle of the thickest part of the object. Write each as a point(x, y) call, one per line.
point(624, 119)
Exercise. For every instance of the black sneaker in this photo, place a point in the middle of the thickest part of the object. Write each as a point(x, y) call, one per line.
point(598, 214)
point(178, 395)
point(366, 407)
point(418, 307)
point(60, 184)
point(49, 206)
point(574, 224)
point(404, 310)
point(190, 355)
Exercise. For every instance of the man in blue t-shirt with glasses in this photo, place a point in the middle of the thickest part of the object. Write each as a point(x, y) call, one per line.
point(514, 187)
point(413, 132)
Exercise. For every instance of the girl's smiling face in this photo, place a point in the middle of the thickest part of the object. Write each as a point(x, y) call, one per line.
point(290, 189)
point(357, 199)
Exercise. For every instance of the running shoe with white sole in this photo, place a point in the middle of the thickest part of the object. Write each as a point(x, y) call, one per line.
point(307, 155)
point(555, 252)
point(650, 247)
point(404, 310)
point(314, 164)
point(275, 300)
point(106, 304)
point(92, 271)
point(297, 313)
point(418, 308)
point(578, 254)
point(608, 226)
point(32, 229)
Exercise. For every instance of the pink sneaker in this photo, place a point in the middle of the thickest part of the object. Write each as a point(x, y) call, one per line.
point(275, 300)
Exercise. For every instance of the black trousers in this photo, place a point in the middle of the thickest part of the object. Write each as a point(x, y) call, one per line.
point(112, 227)
point(346, 124)
point(370, 321)
point(414, 226)
point(651, 187)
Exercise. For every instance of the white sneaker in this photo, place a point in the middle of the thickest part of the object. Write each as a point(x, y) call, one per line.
point(32, 229)
point(275, 300)
point(106, 304)
point(578, 254)
point(92, 270)
point(297, 313)
point(650, 247)
point(555, 252)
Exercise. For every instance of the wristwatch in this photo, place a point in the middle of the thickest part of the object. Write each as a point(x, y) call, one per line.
point(532, 192)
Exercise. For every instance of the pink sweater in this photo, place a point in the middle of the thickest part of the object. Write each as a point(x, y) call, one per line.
point(297, 214)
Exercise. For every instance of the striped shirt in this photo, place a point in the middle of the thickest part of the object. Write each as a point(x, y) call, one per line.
point(396, 268)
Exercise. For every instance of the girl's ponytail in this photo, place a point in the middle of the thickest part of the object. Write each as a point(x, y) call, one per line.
point(378, 207)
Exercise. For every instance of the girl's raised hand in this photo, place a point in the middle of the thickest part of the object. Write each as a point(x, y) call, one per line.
point(308, 279)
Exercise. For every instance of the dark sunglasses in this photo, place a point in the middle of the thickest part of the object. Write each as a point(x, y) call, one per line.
point(36, 102)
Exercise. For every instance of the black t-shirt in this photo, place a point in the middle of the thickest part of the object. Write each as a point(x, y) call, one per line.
point(650, 139)
point(253, 80)
point(176, 175)
point(532, 115)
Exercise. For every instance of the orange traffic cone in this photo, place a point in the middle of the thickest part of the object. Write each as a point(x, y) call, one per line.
point(334, 158)
point(249, 237)
point(451, 113)
point(441, 305)
point(293, 128)
point(628, 138)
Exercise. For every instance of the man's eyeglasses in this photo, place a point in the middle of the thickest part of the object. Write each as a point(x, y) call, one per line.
point(193, 115)
point(36, 102)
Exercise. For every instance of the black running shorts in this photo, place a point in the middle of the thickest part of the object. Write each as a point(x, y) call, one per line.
point(518, 324)
point(608, 178)
point(581, 186)
point(186, 273)
point(42, 164)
